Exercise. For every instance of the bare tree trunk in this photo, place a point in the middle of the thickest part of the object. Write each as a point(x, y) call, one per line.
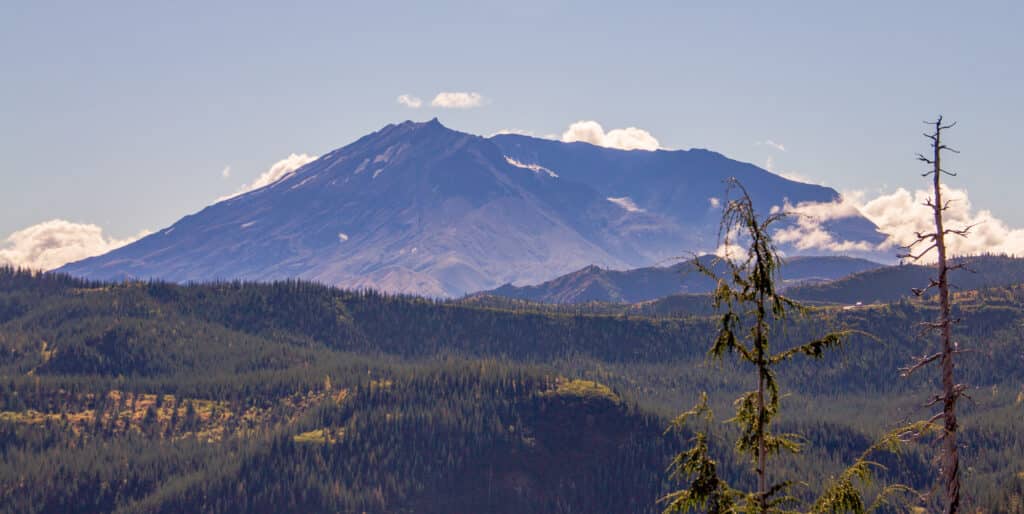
point(950, 454)
point(951, 391)
point(762, 477)
point(762, 458)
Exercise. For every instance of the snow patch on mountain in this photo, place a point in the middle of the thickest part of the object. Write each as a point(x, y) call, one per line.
point(626, 203)
point(536, 168)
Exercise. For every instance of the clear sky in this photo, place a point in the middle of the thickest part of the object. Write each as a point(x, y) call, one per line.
point(126, 114)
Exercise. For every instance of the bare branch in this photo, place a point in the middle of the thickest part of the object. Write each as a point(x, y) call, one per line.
point(962, 232)
point(918, 256)
point(923, 361)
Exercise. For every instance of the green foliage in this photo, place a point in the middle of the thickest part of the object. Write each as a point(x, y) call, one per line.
point(707, 491)
point(845, 493)
point(585, 389)
point(749, 298)
point(441, 406)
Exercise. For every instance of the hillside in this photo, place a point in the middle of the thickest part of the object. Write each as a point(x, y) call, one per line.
point(888, 284)
point(594, 284)
point(677, 290)
point(295, 397)
point(420, 208)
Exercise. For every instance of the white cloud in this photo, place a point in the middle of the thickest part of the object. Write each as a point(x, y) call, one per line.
point(778, 146)
point(226, 172)
point(714, 202)
point(809, 233)
point(626, 203)
point(277, 171)
point(457, 100)
point(769, 164)
point(630, 138)
point(54, 243)
point(521, 132)
point(410, 101)
point(518, 132)
point(900, 216)
point(729, 249)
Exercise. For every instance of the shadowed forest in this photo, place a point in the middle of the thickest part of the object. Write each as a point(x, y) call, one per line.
point(292, 396)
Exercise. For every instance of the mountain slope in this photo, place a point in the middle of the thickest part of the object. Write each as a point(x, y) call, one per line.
point(593, 284)
point(890, 283)
point(419, 208)
point(681, 186)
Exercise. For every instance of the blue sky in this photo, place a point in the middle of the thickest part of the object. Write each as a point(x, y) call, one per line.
point(125, 114)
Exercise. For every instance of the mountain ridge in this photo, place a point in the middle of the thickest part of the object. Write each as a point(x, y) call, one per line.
point(419, 208)
point(594, 284)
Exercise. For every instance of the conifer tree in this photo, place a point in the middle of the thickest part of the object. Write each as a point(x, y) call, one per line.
point(752, 309)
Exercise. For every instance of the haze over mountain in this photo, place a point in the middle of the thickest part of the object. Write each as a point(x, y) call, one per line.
point(419, 208)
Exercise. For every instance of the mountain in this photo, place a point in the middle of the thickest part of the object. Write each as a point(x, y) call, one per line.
point(419, 208)
point(594, 284)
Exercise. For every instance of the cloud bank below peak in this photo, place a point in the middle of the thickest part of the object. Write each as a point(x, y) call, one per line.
point(51, 244)
point(901, 215)
point(54, 243)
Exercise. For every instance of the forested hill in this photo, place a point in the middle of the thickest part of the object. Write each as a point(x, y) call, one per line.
point(820, 280)
point(295, 397)
point(891, 283)
point(595, 284)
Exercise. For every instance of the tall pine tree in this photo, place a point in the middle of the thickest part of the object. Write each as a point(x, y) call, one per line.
point(752, 311)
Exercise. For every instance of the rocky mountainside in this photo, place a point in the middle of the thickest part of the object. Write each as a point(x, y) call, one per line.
point(419, 208)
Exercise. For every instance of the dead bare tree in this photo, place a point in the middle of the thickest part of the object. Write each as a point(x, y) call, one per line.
point(923, 245)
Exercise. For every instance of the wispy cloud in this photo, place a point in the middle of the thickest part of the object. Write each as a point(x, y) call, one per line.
point(277, 171)
point(629, 138)
point(410, 101)
point(778, 146)
point(226, 172)
point(518, 132)
point(54, 243)
point(521, 132)
point(457, 100)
